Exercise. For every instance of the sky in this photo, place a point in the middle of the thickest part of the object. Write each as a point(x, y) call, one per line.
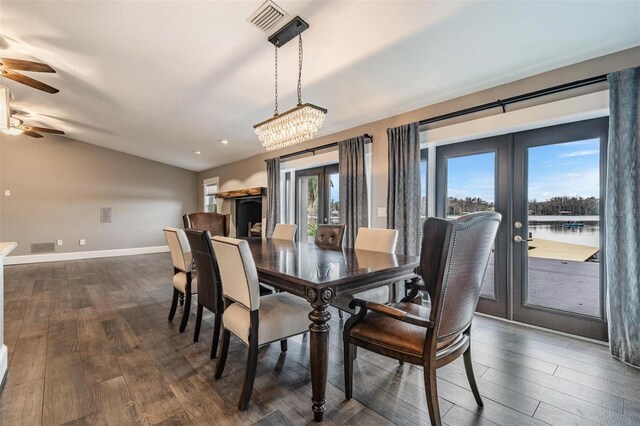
point(565, 169)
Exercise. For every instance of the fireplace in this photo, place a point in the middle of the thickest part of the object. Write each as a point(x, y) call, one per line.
point(248, 218)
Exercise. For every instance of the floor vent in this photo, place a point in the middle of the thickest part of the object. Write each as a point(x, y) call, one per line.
point(267, 16)
point(43, 247)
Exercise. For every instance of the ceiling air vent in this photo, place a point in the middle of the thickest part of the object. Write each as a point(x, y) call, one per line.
point(267, 16)
point(43, 247)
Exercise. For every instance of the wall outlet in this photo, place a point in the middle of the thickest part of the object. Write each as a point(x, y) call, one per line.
point(382, 212)
point(82, 242)
point(7, 193)
point(59, 242)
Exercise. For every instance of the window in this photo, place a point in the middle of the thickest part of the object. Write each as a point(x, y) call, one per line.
point(210, 192)
point(423, 186)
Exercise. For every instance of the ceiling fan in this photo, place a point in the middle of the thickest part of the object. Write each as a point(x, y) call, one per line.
point(8, 67)
point(17, 127)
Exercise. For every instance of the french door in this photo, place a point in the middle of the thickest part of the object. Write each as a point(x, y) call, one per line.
point(317, 199)
point(547, 264)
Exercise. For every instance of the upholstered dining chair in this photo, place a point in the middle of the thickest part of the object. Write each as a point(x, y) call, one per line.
point(454, 259)
point(255, 320)
point(209, 287)
point(329, 236)
point(373, 239)
point(184, 280)
point(284, 231)
point(215, 223)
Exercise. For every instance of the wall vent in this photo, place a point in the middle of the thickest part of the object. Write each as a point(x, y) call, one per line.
point(43, 247)
point(105, 214)
point(267, 16)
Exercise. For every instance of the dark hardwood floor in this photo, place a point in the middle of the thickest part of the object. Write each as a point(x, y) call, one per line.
point(89, 343)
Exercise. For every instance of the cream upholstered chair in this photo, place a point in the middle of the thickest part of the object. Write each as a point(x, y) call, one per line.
point(373, 239)
point(184, 279)
point(284, 232)
point(255, 320)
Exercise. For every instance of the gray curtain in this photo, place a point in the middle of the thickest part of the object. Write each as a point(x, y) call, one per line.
point(403, 189)
point(354, 203)
point(273, 194)
point(623, 216)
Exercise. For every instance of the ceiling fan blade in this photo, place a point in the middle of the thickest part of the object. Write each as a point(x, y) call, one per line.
point(44, 129)
point(21, 65)
point(28, 81)
point(32, 134)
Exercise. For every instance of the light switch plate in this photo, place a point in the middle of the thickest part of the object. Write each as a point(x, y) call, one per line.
point(82, 242)
point(382, 212)
point(7, 193)
point(59, 242)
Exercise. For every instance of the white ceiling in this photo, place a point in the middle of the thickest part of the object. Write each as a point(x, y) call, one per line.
point(162, 79)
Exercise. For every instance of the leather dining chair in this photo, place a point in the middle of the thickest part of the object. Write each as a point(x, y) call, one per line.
point(284, 232)
point(255, 320)
point(454, 259)
point(373, 239)
point(209, 287)
point(329, 236)
point(215, 223)
point(184, 280)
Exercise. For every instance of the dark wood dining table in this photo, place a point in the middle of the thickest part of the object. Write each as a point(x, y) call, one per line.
point(319, 275)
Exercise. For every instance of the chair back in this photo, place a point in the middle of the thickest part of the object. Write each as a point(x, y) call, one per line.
point(284, 232)
point(238, 271)
point(376, 239)
point(330, 236)
point(454, 259)
point(215, 223)
point(179, 249)
point(209, 287)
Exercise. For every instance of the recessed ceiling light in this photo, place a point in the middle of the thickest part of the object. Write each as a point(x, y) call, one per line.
point(224, 141)
point(197, 152)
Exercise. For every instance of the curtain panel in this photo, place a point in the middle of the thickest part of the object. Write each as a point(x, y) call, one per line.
point(354, 203)
point(403, 189)
point(273, 194)
point(622, 208)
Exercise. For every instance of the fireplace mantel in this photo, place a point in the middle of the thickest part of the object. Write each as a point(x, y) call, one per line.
point(249, 192)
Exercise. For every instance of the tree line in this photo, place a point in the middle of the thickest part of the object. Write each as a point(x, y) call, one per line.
point(573, 206)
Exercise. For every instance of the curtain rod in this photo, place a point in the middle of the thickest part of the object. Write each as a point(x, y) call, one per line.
point(524, 97)
point(318, 148)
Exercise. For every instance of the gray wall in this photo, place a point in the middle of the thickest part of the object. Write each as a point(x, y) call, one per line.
point(252, 171)
point(58, 186)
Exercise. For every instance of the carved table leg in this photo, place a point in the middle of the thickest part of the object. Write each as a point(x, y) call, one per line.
point(319, 329)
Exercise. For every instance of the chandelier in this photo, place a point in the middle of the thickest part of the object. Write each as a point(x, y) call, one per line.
point(300, 123)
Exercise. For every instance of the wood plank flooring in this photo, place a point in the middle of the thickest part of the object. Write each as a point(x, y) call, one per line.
point(89, 343)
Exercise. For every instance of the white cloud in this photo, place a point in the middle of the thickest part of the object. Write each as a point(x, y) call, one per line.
point(583, 153)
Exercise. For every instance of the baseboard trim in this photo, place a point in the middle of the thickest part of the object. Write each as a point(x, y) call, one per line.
point(4, 364)
point(77, 255)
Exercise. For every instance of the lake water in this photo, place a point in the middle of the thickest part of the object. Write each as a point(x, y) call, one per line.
point(588, 235)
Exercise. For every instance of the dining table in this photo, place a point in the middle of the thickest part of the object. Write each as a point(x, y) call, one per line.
point(320, 275)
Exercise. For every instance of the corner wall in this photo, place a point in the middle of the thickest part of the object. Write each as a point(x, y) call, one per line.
point(58, 186)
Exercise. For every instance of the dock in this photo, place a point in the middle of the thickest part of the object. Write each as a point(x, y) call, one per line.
point(548, 249)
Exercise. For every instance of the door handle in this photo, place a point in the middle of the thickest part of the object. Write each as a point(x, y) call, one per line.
point(518, 239)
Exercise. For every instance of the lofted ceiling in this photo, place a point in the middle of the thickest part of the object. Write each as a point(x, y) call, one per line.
point(161, 79)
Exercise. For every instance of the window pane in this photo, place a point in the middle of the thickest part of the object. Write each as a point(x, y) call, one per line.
point(334, 198)
point(564, 226)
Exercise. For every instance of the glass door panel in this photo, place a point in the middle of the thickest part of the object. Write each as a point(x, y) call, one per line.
point(471, 179)
point(317, 200)
point(307, 207)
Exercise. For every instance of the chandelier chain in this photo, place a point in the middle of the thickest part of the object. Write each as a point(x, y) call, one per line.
point(275, 112)
point(299, 66)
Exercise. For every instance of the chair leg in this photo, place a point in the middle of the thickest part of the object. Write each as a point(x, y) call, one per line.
point(340, 314)
point(468, 367)
point(249, 377)
point(181, 299)
point(348, 369)
point(217, 324)
point(226, 335)
point(431, 388)
point(196, 332)
point(174, 304)
point(185, 313)
point(283, 345)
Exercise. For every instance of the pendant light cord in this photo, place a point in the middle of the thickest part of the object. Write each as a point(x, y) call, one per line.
point(299, 66)
point(275, 112)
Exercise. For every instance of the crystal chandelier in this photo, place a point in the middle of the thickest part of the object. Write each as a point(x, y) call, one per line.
point(300, 123)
